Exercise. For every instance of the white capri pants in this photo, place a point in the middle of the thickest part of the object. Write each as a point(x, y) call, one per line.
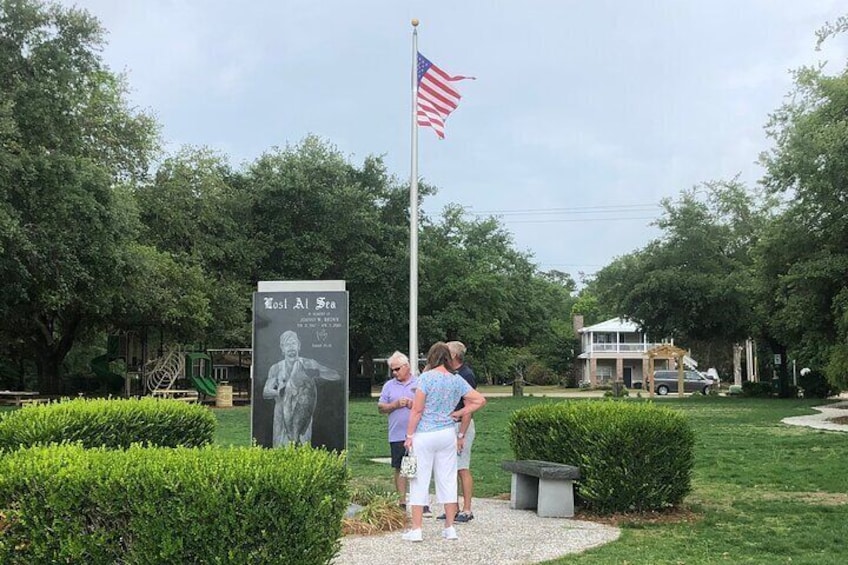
point(436, 453)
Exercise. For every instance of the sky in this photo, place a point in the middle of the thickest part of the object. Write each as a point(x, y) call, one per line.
point(584, 115)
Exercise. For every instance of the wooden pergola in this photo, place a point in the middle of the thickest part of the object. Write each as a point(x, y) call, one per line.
point(666, 351)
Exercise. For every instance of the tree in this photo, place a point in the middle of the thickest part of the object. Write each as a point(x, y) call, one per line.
point(808, 167)
point(164, 293)
point(68, 138)
point(314, 215)
point(475, 287)
point(196, 211)
point(588, 306)
point(691, 284)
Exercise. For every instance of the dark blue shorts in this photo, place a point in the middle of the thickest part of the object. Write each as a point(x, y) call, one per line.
point(398, 451)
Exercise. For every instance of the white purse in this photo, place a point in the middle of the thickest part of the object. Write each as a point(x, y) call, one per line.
point(408, 465)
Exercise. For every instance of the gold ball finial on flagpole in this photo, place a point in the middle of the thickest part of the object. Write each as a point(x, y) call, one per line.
point(414, 22)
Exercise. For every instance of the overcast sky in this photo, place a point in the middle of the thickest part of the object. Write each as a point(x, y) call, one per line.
point(593, 111)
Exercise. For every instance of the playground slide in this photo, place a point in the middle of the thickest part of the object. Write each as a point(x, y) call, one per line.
point(205, 385)
point(100, 368)
point(211, 385)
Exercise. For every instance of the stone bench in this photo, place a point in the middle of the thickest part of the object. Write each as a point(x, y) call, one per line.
point(544, 486)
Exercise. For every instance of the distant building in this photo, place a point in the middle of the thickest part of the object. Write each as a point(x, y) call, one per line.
point(616, 350)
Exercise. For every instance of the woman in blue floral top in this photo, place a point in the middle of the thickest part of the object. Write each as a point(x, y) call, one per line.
point(432, 435)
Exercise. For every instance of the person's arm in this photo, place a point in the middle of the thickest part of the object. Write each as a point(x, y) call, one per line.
point(384, 406)
point(272, 386)
point(415, 416)
point(464, 423)
point(473, 402)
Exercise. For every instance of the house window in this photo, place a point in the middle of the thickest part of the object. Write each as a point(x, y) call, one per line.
point(604, 342)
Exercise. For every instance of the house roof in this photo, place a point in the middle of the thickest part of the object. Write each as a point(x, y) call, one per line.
point(612, 325)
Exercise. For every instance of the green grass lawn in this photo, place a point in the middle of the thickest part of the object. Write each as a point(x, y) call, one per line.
point(763, 492)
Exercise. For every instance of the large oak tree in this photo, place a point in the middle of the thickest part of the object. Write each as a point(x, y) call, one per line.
point(68, 137)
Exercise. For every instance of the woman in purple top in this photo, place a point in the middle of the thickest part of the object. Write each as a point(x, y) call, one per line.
point(432, 434)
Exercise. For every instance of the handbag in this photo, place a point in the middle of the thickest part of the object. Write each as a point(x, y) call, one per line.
point(408, 465)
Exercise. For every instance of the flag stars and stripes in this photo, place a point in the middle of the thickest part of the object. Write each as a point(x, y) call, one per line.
point(436, 99)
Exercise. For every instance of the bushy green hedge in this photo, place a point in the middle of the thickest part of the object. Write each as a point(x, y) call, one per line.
point(632, 456)
point(816, 385)
point(762, 389)
point(113, 423)
point(66, 504)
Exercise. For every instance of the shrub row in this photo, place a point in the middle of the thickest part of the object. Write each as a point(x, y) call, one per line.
point(66, 504)
point(632, 456)
point(816, 385)
point(761, 389)
point(113, 423)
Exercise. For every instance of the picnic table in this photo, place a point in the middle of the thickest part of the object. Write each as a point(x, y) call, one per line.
point(17, 397)
point(187, 395)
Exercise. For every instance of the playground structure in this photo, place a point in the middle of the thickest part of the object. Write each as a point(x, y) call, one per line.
point(174, 371)
point(178, 373)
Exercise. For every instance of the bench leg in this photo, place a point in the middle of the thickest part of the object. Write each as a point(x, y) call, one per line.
point(524, 493)
point(556, 498)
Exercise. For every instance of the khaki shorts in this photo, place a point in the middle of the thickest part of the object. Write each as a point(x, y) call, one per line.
point(463, 460)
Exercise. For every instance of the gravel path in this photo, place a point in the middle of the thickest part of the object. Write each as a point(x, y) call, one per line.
point(496, 535)
point(512, 537)
point(820, 421)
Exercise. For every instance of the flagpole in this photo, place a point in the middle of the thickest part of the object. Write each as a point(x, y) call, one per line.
point(413, 212)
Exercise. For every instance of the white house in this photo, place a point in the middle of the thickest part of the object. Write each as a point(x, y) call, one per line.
point(615, 350)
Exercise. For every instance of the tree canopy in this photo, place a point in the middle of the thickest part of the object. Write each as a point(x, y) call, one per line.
point(68, 139)
point(97, 236)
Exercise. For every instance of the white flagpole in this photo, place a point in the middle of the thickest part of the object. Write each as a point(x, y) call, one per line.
point(413, 212)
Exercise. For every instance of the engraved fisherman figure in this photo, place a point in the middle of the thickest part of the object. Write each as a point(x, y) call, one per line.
point(291, 385)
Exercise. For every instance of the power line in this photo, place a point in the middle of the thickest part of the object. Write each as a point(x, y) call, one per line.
point(572, 265)
point(601, 209)
point(561, 220)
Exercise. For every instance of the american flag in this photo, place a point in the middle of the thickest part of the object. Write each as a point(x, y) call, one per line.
point(436, 98)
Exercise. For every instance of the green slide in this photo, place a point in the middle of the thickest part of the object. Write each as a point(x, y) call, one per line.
point(205, 385)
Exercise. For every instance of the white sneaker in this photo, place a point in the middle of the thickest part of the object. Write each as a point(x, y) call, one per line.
point(414, 535)
point(450, 533)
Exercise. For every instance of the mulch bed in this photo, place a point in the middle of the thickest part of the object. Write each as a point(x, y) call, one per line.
point(670, 516)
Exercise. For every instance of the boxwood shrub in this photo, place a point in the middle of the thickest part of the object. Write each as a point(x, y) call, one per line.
point(149, 505)
point(816, 385)
point(632, 456)
point(113, 423)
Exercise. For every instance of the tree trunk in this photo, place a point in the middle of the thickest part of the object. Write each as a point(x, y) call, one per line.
point(53, 343)
point(49, 377)
point(785, 388)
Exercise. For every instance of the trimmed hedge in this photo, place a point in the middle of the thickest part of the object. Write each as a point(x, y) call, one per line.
point(112, 423)
point(632, 456)
point(762, 389)
point(66, 504)
point(816, 385)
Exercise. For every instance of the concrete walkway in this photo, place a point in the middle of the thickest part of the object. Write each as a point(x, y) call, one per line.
point(821, 421)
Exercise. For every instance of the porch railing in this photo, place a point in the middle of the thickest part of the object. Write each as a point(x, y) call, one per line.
point(620, 347)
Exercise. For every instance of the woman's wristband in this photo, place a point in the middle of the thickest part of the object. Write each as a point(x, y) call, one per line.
point(409, 436)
